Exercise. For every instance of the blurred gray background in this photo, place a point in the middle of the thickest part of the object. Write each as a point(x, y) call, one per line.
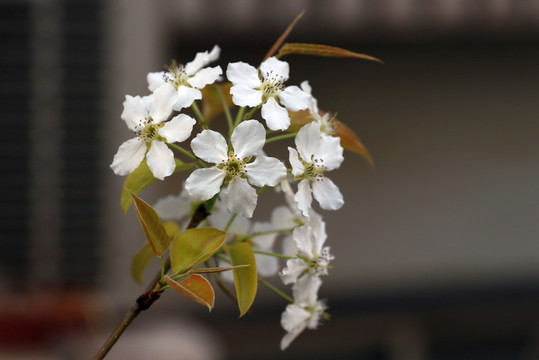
point(437, 246)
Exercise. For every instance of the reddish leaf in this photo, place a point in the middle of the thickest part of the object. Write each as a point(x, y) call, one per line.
point(284, 35)
point(212, 104)
point(195, 287)
point(322, 50)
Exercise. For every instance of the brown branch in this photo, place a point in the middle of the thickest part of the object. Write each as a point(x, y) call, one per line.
point(145, 301)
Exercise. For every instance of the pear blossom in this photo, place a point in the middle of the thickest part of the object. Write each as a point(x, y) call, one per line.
point(266, 87)
point(233, 167)
point(243, 228)
point(313, 258)
point(175, 207)
point(316, 153)
point(305, 312)
point(188, 79)
point(146, 116)
point(325, 120)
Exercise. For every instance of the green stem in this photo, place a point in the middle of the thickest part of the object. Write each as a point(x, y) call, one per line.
point(230, 221)
point(281, 137)
point(281, 256)
point(276, 291)
point(187, 153)
point(272, 231)
point(239, 117)
point(226, 109)
point(162, 268)
point(251, 113)
point(199, 115)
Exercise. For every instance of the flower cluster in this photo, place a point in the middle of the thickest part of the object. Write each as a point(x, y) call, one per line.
point(228, 172)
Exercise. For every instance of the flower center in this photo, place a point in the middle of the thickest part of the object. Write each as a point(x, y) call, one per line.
point(271, 86)
point(176, 75)
point(233, 167)
point(148, 131)
point(314, 170)
point(320, 264)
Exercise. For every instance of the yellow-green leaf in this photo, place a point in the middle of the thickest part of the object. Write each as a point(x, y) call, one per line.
point(322, 50)
point(245, 278)
point(141, 178)
point(140, 262)
point(349, 140)
point(195, 287)
point(194, 246)
point(151, 224)
point(215, 270)
point(172, 229)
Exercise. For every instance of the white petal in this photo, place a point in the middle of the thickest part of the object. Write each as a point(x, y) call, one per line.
point(305, 86)
point(240, 197)
point(204, 77)
point(283, 218)
point(298, 168)
point(201, 59)
point(210, 146)
point(294, 99)
point(214, 53)
point(128, 157)
point(248, 138)
point(275, 67)
point(134, 111)
point(160, 160)
point(265, 170)
point(330, 151)
point(203, 184)
point(266, 265)
point(294, 321)
point(304, 240)
point(263, 242)
point(289, 247)
point(162, 100)
point(172, 207)
point(303, 197)
point(305, 290)
point(275, 115)
point(178, 129)
point(155, 79)
point(318, 233)
point(186, 97)
point(243, 95)
point(243, 73)
point(220, 217)
point(308, 141)
point(327, 194)
point(294, 268)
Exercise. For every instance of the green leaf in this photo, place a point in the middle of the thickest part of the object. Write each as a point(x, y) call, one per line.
point(322, 50)
point(151, 224)
point(245, 278)
point(194, 246)
point(172, 229)
point(195, 287)
point(140, 262)
point(141, 178)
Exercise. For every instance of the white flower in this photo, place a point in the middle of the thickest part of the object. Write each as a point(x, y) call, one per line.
point(325, 121)
point(251, 88)
point(174, 207)
point(241, 228)
point(305, 312)
point(188, 79)
point(233, 167)
point(312, 258)
point(316, 153)
point(145, 116)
